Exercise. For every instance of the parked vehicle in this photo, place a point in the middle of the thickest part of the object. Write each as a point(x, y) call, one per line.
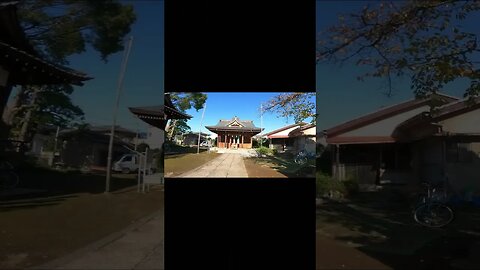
point(204, 144)
point(431, 210)
point(126, 164)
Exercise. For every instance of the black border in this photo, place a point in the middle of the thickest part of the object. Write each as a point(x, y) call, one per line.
point(238, 46)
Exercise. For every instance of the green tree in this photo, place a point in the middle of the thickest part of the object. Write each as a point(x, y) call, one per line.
point(45, 106)
point(58, 29)
point(420, 39)
point(300, 106)
point(183, 102)
point(181, 127)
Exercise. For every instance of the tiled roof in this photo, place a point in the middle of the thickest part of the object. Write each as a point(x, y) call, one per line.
point(284, 128)
point(109, 128)
point(244, 123)
point(241, 125)
point(388, 112)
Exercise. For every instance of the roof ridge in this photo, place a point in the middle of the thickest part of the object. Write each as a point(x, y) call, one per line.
point(392, 109)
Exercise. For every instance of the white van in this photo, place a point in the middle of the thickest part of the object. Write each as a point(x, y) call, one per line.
point(126, 164)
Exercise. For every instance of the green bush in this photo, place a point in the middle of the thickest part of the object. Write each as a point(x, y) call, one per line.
point(351, 186)
point(327, 185)
point(264, 151)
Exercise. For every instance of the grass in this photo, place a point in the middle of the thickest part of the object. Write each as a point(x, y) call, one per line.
point(180, 163)
point(71, 213)
point(172, 148)
point(255, 169)
point(284, 164)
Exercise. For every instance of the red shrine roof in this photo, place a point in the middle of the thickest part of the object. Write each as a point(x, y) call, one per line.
point(235, 124)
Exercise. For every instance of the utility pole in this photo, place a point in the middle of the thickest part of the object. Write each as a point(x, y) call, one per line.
point(136, 137)
point(55, 146)
point(200, 131)
point(261, 124)
point(115, 110)
point(56, 140)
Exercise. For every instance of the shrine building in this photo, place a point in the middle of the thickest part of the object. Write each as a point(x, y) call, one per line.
point(234, 133)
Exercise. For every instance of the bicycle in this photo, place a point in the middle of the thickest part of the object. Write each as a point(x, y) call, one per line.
point(8, 178)
point(431, 211)
point(302, 157)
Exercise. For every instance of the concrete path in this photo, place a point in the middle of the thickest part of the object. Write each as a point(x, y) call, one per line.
point(138, 247)
point(331, 254)
point(225, 165)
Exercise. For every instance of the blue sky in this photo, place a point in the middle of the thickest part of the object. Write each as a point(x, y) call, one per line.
point(143, 83)
point(144, 80)
point(340, 96)
point(245, 106)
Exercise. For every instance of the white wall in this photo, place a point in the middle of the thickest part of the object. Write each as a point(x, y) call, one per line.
point(385, 127)
point(310, 131)
point(465, 123)
point(155, 137)
point(284, 132)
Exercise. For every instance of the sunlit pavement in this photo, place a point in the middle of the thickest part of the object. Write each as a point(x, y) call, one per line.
point(225, 165)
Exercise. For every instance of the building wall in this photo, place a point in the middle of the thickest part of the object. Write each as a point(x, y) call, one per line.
point(384, 127)
point(464, 176)
point(192, 139)
point(465, 123)
point(310, 131)
point(155, 137)
point(76, 152)
point(431, 164)
point(278, 144)
point(38, 144)
point(284, 132)
point(307, 143)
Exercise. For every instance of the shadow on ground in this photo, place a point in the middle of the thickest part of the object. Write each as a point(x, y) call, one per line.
point(284, 164)
point(381, 225)
point(42, 186)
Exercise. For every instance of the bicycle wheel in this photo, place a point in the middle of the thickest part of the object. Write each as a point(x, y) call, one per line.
point(300, 160)
point(417, 201)
point(433, 215)
point(8, 180)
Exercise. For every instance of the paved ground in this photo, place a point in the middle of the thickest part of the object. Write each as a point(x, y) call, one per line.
point(226, 165)
point(332, 254)
point(138, 247)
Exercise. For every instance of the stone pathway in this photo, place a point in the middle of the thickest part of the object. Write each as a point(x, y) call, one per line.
point(226, 165)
